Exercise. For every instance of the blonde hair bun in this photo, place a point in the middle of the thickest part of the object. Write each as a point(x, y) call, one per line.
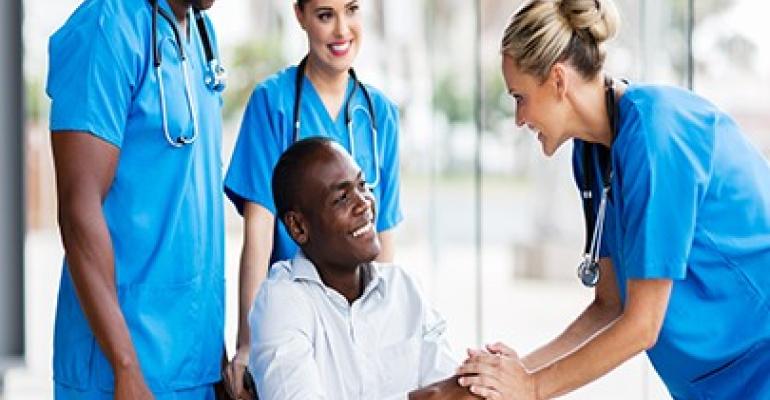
point(543, 32)
point(599, 17)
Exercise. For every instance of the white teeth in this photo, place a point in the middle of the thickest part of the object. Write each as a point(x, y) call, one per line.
point(360, 231)
point(340, 47)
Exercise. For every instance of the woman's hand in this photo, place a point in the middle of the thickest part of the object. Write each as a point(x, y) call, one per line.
point(233, 375)
point(497, 374)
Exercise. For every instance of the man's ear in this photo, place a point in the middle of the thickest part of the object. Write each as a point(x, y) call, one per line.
point(300, 14)
point(297, 226)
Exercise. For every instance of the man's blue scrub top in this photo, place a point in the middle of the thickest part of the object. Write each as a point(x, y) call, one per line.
point(691, 203)
point(164, 210)
point(267, 131)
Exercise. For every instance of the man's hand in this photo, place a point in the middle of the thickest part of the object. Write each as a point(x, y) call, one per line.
point(497, 374)
point(447, 389)
point(130, 385)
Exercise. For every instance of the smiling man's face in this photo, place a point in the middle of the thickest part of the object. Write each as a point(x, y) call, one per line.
point(338, 210)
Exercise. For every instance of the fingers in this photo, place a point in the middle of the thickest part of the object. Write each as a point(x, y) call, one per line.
point(501, 348)
point(482, 364)
point(485, 386)
point(227, 378)
point(486, 393)
point(473, 352)
point(233, 377)
point(238, 382)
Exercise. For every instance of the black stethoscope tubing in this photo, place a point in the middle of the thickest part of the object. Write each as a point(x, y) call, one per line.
point(588, 270)
point(214, 78)
point(348, 118)
point(157, 56)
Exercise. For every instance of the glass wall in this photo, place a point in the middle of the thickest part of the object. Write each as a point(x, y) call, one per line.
point(493, 229)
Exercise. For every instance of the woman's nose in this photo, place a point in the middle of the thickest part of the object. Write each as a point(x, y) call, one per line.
point(342, 28)
point(519, 117)
point(519, 120)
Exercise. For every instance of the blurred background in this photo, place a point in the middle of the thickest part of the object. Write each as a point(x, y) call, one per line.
point(493, 229)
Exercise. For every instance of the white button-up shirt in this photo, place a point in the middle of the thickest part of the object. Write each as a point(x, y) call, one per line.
point(308, 342)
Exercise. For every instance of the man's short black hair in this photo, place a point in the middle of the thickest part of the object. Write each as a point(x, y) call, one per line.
point(288, 172)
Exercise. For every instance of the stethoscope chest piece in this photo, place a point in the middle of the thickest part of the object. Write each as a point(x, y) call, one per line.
point(216, 76)
point(588, 272)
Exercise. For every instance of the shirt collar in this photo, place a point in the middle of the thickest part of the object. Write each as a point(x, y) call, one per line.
point(302, 269)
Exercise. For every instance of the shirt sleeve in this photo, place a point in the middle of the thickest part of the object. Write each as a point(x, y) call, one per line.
point(92, 75)
point(256, 152)
point(281, 357)
point(436, 360)
point(663, 177)
point(390, 213)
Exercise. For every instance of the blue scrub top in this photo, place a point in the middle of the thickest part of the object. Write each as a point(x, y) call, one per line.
point(267, 131)
point(691, 202)
point(164, 210)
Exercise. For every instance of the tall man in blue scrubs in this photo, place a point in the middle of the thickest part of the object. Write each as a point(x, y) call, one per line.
point(139, 181)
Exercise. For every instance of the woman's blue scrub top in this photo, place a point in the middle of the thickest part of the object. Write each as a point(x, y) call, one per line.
point(691, 202)
point(268, 130)
point(164, 209)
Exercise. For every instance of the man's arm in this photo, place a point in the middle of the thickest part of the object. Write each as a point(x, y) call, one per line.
point(85, 168)
point(282, 354)
point(437, 361)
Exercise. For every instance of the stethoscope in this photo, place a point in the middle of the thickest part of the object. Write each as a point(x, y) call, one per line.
point(588, 270)
point(215, 77)
point(349, 113)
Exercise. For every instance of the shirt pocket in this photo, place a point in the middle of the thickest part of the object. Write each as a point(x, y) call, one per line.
point(745, 377)
point(400, 367)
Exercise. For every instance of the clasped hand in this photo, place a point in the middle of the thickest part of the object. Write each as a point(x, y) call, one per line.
point(497, 373)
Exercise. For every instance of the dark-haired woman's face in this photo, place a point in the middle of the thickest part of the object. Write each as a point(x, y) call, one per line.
point(333, 30)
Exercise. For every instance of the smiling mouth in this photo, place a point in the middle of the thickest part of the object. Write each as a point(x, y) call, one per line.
point(340, 48)
point(366, 228)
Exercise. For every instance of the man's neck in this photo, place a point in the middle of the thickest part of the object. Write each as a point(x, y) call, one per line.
point(180, 8)
point(345, 280)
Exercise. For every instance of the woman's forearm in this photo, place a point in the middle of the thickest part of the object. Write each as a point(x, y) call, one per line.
point(634, 331)
point(594, 319)
point(255, 256)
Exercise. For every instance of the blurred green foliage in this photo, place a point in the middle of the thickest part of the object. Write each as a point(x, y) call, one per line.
point(249, 63)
